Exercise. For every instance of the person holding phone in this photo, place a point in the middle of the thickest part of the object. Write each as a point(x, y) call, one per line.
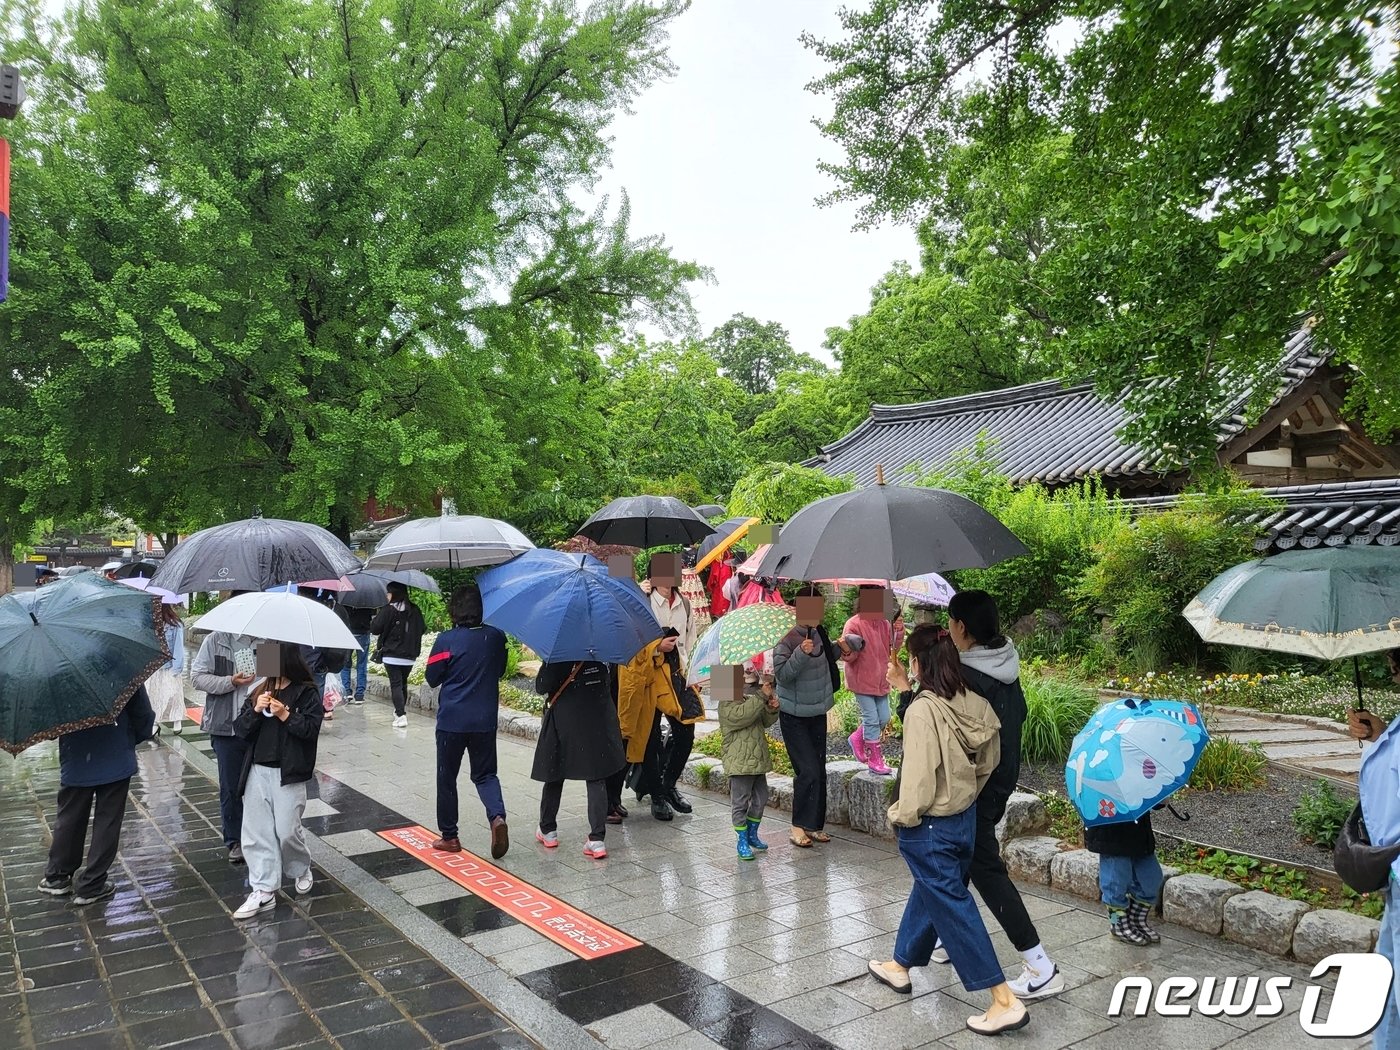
point(281, 723)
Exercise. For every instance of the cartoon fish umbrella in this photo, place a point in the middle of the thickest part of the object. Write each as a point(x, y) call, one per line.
point(1132, 755)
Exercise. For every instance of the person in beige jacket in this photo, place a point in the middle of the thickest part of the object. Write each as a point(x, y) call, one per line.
point(951, 746)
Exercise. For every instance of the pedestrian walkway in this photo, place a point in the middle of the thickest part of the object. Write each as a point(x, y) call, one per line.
point(389, 952)
point(1313, 746)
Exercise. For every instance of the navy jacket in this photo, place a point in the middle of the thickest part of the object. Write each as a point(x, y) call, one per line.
point(467, 663)
point(105, 754)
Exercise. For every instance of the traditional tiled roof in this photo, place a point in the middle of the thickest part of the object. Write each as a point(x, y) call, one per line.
point(1333, 514)
point(1043, 432)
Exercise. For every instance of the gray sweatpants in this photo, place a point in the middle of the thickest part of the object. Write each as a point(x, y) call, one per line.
point(273, 842)
point(748, 795)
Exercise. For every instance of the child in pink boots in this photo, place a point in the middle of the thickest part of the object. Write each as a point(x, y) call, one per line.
point(872, 636)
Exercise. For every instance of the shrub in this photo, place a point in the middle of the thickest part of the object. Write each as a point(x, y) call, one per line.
point(847, 710)
point(1065, 822)
point(515, 652)
point(520, 700)
point(774, 492)
point(1228, 765)
point(1320, 814)
point(1055, 711)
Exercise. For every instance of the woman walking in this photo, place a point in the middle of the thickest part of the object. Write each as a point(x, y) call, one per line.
point(166, 687)
point(951, 747)
point(579, 740)
point(281, 722)
point(400, 629)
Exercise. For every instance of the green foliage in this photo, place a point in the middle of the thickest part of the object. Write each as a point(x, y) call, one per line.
point(808, 410)
point(1055, 711)
point(518, 699)
point(1148, 570)
point(1293, 692)
point(1255, 874)
point(754, 354)
point(1065, 822)
point(774, 492)
point(1320, 814)
point(515, 652)
point(974, 472)
point(847, 710)
point(1228, 765)
point(712, 744)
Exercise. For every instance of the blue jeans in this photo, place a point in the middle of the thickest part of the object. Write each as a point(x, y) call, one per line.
point(1121, 878)
point(361, 661)
point(939, 853)
point(230, 753)
point(1386, 944)
point(480, 749)
point(874, 715)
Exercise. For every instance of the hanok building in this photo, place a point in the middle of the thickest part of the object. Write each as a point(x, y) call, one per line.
point(1337, 485)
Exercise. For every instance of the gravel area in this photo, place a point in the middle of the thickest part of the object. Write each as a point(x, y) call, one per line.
point(1258, 822)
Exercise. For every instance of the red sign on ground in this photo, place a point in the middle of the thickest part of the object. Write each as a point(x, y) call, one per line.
point(562, 923)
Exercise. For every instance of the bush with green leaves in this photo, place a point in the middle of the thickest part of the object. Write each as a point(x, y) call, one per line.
point(1228, 765)
point(774, 492)
point(1055, 711)
point(1320, 814)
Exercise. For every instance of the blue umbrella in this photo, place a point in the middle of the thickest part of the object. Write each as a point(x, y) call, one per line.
point(1132, 755)
point(567, 607)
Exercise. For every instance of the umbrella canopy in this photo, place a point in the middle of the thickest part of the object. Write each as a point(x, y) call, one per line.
point(888, 532)
point(72, 654)
point(567, 607)
point(252, 554)
point(1328, 603)
point(452, 541)
point(1130, 756)
point(646, 521)
point(370, 586)
point(131, 569)
point(740, 635)
point(927, 589)
point(726, 534)
point(280, 617)
point(709, 510)
point(141, 583)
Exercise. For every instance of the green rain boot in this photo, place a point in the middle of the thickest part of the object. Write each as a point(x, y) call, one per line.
point(754, 841)
point(745, 853)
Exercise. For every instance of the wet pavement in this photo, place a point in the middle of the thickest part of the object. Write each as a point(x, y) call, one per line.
point(387, 952)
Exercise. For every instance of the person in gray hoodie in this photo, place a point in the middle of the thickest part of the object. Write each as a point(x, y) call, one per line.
point(992, 669)
point(215, 671)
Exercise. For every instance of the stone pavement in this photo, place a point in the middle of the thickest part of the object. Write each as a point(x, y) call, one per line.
point(1316, 746)
point(749, 956)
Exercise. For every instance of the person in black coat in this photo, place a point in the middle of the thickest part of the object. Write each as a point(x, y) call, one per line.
point(579, 740)
point(1130, 876)
point(400, 628)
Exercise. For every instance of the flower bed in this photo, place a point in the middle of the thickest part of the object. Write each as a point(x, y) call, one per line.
point(1292, 693)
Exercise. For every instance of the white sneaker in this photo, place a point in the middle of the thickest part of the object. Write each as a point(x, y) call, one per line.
point(1032, 984)
point(257, 902)
point(401, 722)
point(304, 882)
point(940, 954)
point(595, 849)
point(547, 839)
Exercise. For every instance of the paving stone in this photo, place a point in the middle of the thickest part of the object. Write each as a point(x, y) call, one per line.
point(1198, 901)
point(1029, 859)
point(1325, 931)
point(1076, 871)
point(639, 1027)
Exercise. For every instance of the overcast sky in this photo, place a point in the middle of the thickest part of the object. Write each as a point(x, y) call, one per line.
point(722, 161)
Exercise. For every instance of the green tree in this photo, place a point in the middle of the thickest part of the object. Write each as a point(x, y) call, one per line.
point(1124, 162)
point(775, 492)
point(755, 353)
point(809, 410)
point(283, 257)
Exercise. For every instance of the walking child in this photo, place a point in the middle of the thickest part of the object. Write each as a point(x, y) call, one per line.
point(867, 672)
point(747, 761)
point(1130, 878)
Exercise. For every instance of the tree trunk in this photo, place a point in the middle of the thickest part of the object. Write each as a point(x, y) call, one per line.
point(340, 523)
point(168, 540)
point(7, 562)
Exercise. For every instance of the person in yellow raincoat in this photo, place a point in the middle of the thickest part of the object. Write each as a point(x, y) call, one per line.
point(647, 689)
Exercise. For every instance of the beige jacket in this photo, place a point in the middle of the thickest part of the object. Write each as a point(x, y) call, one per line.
point(951, 747)
point(676, 614)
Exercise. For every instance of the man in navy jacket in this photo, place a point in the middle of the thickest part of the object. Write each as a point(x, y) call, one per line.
point(95, 770)
point(467, 663)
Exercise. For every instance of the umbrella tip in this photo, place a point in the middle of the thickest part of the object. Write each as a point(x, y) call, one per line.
point(34, 618)
point(879, 473)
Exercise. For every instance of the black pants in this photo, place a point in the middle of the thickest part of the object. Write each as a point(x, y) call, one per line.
point(988, 873)
point(806, 746)
point(398, 686)
point(75, 806)
point(230, 752)
point(551, 793)
point(615, 784)
point(480, 749)
point(662, 767)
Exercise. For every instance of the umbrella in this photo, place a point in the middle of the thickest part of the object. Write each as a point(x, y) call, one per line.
point(370, 591)
point(888, 532)
point(72, 654)
point(709, 510)
point(251, 554)
point(740, 635)
point(927, 589)
point(280, 617)
point(452, 541)
point(1130, 756)
point(646, 521)
point(567, 607)
point(725, 536)
point(141, 583)
point(133, 569)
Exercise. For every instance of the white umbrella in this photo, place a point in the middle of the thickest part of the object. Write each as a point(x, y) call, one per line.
point(280, 617)
point(453, 541)
point(143, 583)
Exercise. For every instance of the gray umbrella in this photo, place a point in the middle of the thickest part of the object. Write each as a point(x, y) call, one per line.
point(253, 555)
point(452, 541)
point(709, 510)
point(370, 591)
point(646, 522)
point(888, 532)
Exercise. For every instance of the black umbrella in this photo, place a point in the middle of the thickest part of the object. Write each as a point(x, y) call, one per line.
point(646, 521)
point(253, 555)
point(132, 569)
point(722, 531)
point(709, 510)
point(888, 532)
point(371, 591)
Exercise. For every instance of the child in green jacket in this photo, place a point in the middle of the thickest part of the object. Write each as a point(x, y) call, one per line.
point(747, 762)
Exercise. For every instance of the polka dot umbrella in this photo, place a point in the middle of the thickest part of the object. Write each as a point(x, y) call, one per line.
point(740, 635)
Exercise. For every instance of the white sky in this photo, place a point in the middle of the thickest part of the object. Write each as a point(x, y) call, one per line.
point(722, 161)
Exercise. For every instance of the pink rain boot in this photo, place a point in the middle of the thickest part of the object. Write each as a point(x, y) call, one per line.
point(877, 760)
point(857, 742)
